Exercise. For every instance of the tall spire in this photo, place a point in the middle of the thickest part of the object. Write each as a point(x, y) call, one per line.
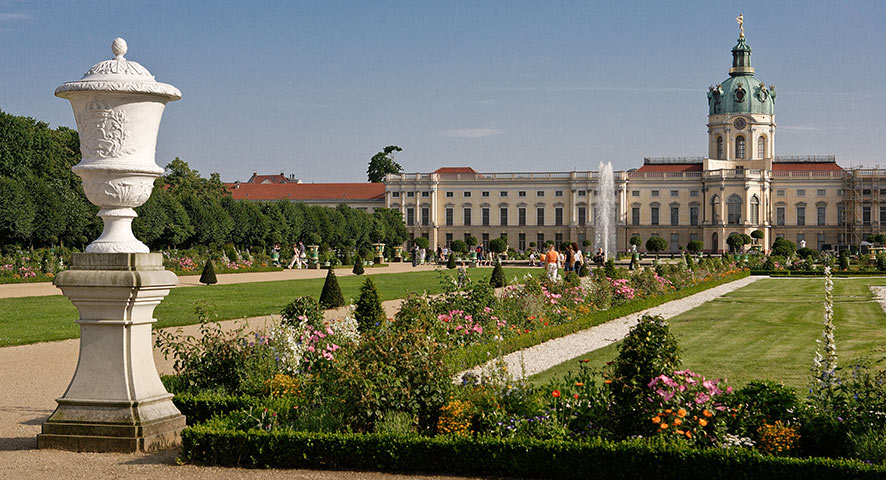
point(741, 53)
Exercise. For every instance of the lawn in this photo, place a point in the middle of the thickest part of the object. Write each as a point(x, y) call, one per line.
point(767, 331)
point(41, 319)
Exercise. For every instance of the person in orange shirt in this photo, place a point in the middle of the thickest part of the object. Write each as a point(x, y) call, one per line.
point(552, 260)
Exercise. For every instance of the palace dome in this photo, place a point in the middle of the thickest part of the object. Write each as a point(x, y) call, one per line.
point(742, 92)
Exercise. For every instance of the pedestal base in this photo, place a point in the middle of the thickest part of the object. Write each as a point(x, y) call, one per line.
point(378, 260)
point(116, 401)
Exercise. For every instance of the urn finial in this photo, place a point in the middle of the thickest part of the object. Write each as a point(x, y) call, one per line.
point(119, 47)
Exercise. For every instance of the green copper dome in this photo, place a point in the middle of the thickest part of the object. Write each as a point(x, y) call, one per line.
point(741, 92)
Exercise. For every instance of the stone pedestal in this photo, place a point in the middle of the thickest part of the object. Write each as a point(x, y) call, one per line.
point(116, 401)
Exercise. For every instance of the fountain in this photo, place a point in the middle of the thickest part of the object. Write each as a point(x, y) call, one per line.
point(604, 223)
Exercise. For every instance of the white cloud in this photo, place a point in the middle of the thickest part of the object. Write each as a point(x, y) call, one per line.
point(470, 132)
point(11, 17)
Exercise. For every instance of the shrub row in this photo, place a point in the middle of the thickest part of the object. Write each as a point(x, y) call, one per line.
point(631, 459)
point(815, 273)
point(481, 353)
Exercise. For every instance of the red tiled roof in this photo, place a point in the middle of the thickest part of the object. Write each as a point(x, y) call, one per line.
point(817, 167)
point(686, 167)
point(340, 192)
point(455, 170)
point(256, 178)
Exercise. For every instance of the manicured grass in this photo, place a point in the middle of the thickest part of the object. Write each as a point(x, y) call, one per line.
point(41, 319)
point(767, 331)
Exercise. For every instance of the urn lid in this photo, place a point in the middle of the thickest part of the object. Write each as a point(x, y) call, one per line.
point(119, 75)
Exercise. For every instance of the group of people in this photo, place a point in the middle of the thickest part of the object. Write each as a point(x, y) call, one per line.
point(570, 260)
point(299, 257)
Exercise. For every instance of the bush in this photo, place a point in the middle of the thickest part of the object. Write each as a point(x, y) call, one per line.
point(217, 444)
point(808, 253)
point(304, 306)
point(450, 262)
point(369, 311)
point(649, 350)
point(459, 246)
point(358, 266)
point(208, 275)
point(759, 403)
point(498, 245)
point(783, 248)
point(656, 244)
point(331, 296)
point(497, 280)
point(695, 246)
point(583, 271)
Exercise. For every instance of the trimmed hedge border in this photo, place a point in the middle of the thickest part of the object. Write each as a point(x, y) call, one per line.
point(501, 457)
point(814, 273)
point(481, 353)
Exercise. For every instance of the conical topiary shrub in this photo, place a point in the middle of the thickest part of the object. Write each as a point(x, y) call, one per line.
point(583, 271)
point(369, 312)
point(497, 280)
point(208, 275)
point(331, 296)
point(358, 265)
point(450, 264)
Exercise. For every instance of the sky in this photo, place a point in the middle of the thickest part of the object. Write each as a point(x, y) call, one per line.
point(316, 88)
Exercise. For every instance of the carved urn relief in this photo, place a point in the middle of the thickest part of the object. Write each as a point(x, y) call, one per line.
point(118, 105)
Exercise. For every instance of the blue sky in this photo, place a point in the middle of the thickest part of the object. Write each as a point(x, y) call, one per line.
point(316, 88)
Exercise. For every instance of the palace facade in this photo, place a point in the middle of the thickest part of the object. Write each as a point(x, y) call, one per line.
point(738, 187)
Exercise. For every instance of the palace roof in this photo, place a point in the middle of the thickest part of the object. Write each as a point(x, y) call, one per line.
point(327, 192)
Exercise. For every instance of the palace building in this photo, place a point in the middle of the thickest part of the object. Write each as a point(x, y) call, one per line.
point(740, 186)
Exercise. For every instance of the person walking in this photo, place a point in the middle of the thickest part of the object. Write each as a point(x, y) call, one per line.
point(570, 258)
point(577, 257)
point(295, 257)
point(415, 256)
point(552, 261)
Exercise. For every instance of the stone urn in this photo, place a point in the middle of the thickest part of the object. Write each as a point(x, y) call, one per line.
point(379, 252)
point(116, 400)
point(398, 253)
point(314, 256)
point(117, 105)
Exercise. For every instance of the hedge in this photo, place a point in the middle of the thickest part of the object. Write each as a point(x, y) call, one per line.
point(816, 273)
point(200, 408)
point(479, 354)
point(588, 458)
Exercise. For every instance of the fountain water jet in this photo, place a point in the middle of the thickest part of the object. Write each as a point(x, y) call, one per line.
point(604, 223)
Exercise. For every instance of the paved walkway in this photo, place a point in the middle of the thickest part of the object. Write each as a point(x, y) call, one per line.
point(554, 352)
point(13, 290)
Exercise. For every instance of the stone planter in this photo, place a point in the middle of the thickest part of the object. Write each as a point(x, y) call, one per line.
point(314, 257)
point(379, 253)
point(398, 253)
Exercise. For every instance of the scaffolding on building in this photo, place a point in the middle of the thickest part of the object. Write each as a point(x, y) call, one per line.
point(861, 199)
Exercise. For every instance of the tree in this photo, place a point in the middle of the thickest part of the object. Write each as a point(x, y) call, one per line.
point(208, 275)
point(450, 262)
point(656, 244)
point(737, 241)
point(459, 246)
point(497, 280)
point(783, 247)
point(16, 212)
point(695, 246)
point(422, 242)
point(382, 163)
point(757, 235)
point(358, 265)
point(331, 296)
point(498, 245)
point(471, 242)
point(369, 312)
point(635, 240)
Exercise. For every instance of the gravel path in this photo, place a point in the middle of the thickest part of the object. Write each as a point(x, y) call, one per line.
point(554, 352)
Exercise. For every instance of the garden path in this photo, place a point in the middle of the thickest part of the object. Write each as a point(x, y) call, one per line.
point(541, 357)
point(42, 289)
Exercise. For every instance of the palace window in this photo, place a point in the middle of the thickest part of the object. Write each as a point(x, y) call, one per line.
point(467, 194)
point(755, 210)
point(540, 193)
point(635, 193)
point(395, 194)
point(821, 192)
point(521, 193)
point(467, 216)
point(484, 194)
point(801, 192)
point(410, 194)
point(558, 216)
point(425, 194)
point(819, 215)
point(484, 212)
point(582, 216)
point(779, 216)
point(521, 242)
point(635, 216)
point(675, 193)
point(503, 193)
point(521, 216)
point(693, 216)
point(733, 210)
point(448, 240)
point(449, 217)
point(719, 148)
point(715, 209)
point(739, 147)
point(675, 215)
point(410, 216)
point(540, 216)
point(425, 216)
point(450, 194)
point(654, 216)
point(654, 193)
point(693, 193)
point(761, 147)
point(503, 216)
point(801, 215)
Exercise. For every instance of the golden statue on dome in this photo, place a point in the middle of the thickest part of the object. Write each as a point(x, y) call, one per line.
point(740, 20)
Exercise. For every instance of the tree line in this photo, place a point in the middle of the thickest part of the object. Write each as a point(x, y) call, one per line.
point(44, 204)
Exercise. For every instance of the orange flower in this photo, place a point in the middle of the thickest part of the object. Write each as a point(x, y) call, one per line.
point(668, 411)
point(681, 412)
point(579, 384)
point(663, 426)
point(656, 419)
point(556, 393)
point(688, 434)
point(677, 421)
point(607, 381)
point(575, 395)
point(703, 422)
point(679, 432)
point(707, 413)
